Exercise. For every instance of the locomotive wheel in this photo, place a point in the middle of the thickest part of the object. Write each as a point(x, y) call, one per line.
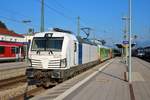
point(38, 85)
point(46, 85)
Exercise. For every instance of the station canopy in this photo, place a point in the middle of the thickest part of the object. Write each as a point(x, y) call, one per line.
point(122, 45)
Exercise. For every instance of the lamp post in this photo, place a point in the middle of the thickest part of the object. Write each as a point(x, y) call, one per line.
point(78, 26)
point(42, 16)
point(130, 67)
point(26, 22)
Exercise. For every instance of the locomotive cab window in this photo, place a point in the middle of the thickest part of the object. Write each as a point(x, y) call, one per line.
point(1, 49)
point(47, 43)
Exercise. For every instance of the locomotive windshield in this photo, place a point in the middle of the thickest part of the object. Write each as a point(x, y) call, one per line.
point(46, 44)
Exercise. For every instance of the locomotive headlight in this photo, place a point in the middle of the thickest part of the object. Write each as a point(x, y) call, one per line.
point(63, 63)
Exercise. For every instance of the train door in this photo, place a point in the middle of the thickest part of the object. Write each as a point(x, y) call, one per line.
point(75, 53)
point(20, 52)
point(15, 52)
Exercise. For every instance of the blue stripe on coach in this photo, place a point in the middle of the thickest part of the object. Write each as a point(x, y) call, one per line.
point(80, 54)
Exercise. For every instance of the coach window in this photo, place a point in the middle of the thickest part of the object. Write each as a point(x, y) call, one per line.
point(15, 50)
point(1, 49)
point(2, 38)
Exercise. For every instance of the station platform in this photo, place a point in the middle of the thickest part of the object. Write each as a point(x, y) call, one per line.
point(12, 65)
point(109, 82)
point(13, 69)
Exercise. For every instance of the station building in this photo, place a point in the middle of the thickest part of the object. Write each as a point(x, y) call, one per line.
point(28, 37)
point(7, 35)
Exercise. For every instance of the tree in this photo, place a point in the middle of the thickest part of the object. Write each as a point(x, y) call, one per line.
point(2, 25)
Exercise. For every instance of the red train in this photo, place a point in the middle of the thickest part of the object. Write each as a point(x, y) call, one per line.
point(11, 51)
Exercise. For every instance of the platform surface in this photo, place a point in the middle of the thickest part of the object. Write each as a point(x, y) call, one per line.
point(111, 83)
point(108, 84)
point(12, 65)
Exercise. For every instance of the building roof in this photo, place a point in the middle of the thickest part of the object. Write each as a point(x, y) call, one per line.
point(9, 33)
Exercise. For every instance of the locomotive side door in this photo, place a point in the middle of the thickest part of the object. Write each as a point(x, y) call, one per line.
point(75, 52)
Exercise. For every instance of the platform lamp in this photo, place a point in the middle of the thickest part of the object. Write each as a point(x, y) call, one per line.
point(130, 32)
point(26, 22)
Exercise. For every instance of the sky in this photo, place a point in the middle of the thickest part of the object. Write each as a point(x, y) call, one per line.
point(103, 16)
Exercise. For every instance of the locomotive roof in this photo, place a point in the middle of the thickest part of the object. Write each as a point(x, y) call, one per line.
point(42, 34)
point(56, 34)
point(61, 34)
point(103, 46)
point(87, 41)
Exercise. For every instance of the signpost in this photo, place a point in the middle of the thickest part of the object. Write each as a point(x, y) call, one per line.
point(125, 42)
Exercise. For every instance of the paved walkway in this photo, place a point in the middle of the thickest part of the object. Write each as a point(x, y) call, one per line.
point(110, 83)
point(141, 85)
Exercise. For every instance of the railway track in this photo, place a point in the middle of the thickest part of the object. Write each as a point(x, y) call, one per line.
point(32, 91)
point(12, 86)
point(11, 81)
point(29, 94)
point(145, 59)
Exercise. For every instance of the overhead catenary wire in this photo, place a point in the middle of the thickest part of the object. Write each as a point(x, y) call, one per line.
point(62, 6)
point(56, 11)
point(23, 16)
point(81, 19)
point(70, 18)
point(11, 19)
point(15, 13)
point(67, 16)
point(16, 21)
